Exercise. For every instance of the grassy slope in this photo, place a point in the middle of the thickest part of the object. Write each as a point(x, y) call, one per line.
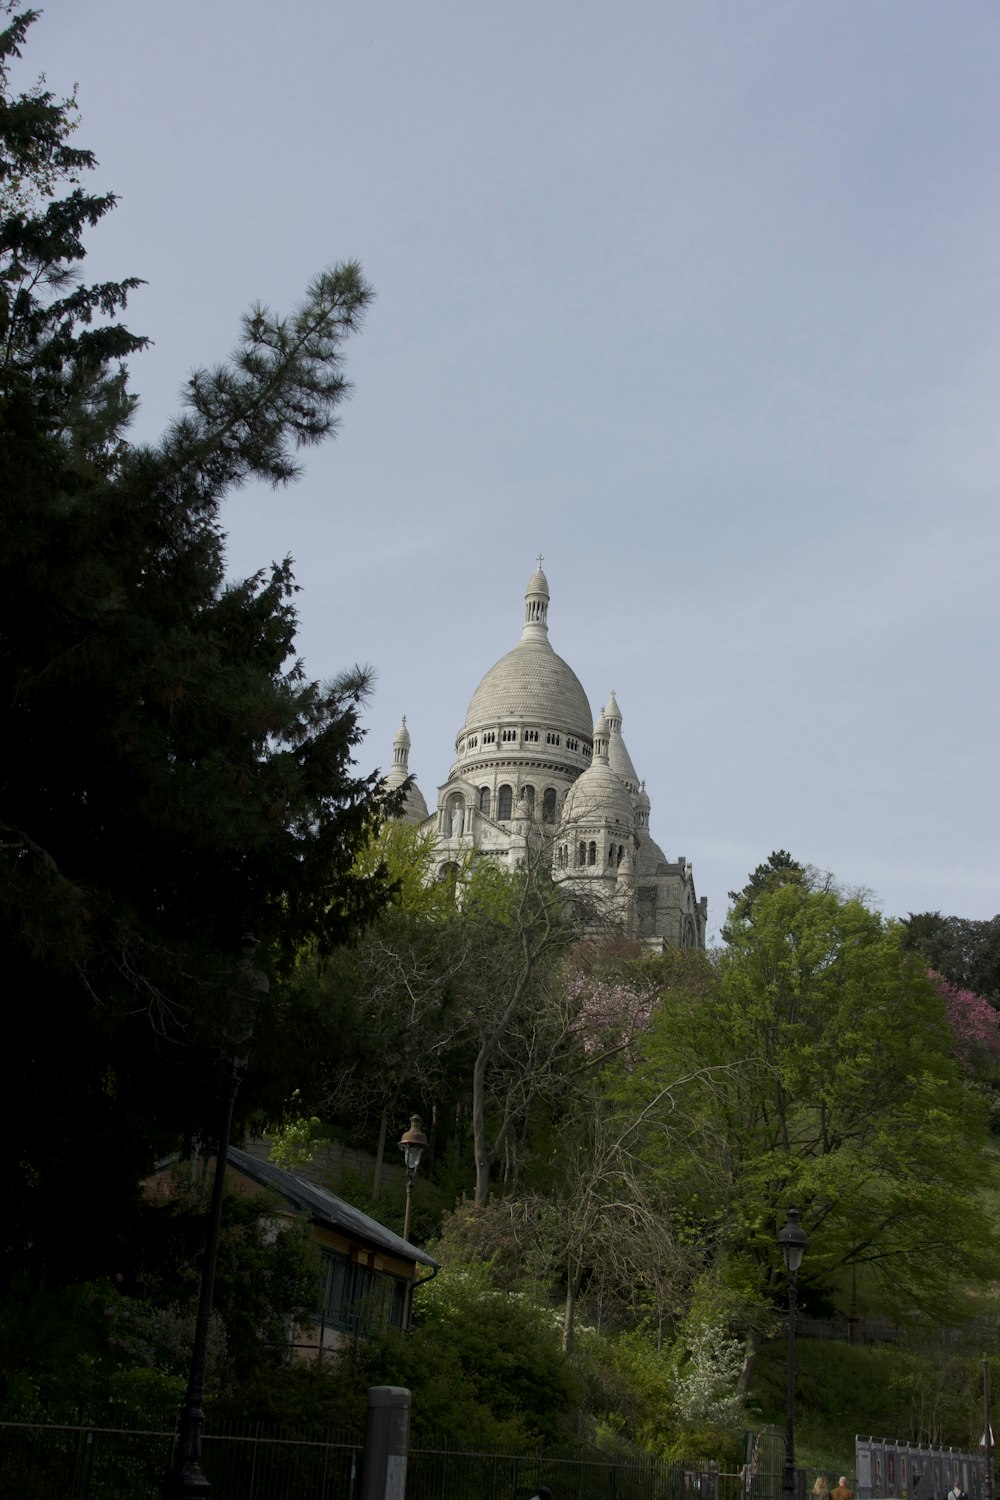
point(927, 1394)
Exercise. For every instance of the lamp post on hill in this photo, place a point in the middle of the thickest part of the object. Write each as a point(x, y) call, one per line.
point(412, 1144)
point(792, 1241)
point(185, 1480)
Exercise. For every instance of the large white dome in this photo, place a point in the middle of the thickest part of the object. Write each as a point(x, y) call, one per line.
point(531, 685)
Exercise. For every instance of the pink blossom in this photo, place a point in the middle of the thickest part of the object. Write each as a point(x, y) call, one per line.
point(610, 1011)
point(975, 1025)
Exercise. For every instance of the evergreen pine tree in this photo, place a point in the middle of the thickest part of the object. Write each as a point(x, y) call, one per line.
point(170, 777)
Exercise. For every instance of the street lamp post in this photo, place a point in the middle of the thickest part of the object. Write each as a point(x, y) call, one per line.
point(412, 1144)
point(185, 1480)
point(792, 1241)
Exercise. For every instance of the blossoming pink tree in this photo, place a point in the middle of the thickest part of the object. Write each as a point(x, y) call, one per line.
point(975, 1027)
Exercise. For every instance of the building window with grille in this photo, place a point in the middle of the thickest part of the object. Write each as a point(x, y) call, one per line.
point(484, 800)
point(592, 854)
point(549, 805)
point(360, 1299)
point(505, 802)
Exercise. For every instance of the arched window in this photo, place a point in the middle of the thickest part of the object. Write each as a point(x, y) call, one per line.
point(592, 853)
point(621, 851)
point(549, 805)
point(484, 800)
point(528, 793)
point(581, 854)
point(505, 801)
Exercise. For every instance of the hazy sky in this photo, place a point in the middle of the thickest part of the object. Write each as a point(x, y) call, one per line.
point(700, 300)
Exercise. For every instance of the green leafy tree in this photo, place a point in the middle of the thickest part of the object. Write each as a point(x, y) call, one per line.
point(519, 1015)
point(170, 777)
point(396, 994)
point(267, 1283)
point(408, 854)
point(815, 1070)
point(779, 869)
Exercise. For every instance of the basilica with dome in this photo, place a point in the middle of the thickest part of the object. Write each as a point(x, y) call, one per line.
point(534, 771)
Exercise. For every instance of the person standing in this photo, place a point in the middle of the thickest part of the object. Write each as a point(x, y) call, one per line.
point(821, 1489)
point(840, 1490)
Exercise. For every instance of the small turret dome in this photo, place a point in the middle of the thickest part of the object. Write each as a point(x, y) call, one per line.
point(598, 797)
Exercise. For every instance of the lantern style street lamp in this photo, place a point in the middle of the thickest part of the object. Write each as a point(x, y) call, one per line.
point(412, 1143)
point(792, 1241)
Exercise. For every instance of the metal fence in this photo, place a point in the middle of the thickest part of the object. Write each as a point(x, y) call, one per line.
point(47, 1462)
point(247, 1462)
point(887, 1468)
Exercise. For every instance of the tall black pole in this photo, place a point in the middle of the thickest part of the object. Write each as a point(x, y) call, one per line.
point(185, 1480)
point(987, 1429)
point(788, 1484)
point(409, 1203)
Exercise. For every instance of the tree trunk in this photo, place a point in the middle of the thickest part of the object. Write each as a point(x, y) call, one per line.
point(572, 1292)
point(380, 1156)
point(750, 1354)
point(482, 1153)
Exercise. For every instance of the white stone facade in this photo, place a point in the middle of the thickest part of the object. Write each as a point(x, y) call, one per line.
point(532, 769)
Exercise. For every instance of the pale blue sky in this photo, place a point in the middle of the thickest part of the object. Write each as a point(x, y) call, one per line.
point(699, 300)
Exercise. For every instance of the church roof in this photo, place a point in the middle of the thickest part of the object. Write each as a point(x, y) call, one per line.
point(618, 755)
point(531, 683)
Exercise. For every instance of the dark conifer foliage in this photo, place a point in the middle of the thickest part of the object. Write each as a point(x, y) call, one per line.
point(170, 778)
point(965, 951)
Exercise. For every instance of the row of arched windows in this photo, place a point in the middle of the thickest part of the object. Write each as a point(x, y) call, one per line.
point(586, 854)
point(505, 802)
point(526, 736)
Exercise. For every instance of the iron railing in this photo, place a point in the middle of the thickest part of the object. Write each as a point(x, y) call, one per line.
point(250, 1462)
